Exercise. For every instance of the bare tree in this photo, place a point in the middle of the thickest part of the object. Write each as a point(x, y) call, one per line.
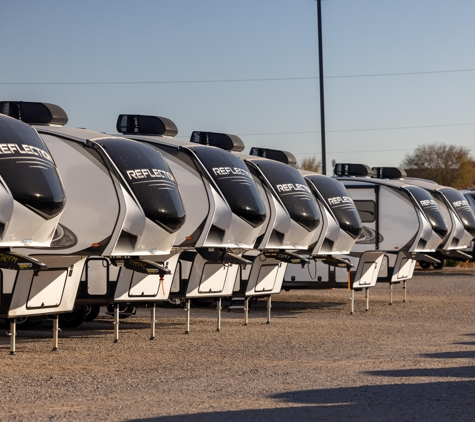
point(447, 165)
point(310, 164)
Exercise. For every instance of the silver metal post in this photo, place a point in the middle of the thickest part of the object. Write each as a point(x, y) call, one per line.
point(352, 298)
point(246, 310)
point(116, 322)
point(187, 309)
point(404, 291)
point(55, 333)
point(367, 298)
point(269, 306)
point(152, 321)
point(12, 336)
point(390, 293)
point(218, 309)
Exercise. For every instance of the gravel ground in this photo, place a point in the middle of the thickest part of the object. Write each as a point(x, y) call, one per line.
point(408, 361)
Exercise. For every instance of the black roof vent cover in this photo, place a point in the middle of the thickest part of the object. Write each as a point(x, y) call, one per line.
point(219, 140)
point(275, 154)
point(34, 113)
point(347, 169)
point(145, 125)
point(389, 173)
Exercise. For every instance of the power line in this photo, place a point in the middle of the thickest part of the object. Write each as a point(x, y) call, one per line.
point(427, 72)
point(353, 152)
point(349, 130)
point(366, 151)
point(160, 82)
point(197, 81)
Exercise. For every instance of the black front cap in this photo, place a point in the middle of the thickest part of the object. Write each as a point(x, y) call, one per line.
point(430, 208)
point(293, 190)
point(339, 201)
point(150, 179)
point(235, 182)
point(28, 169)
point(462, 208)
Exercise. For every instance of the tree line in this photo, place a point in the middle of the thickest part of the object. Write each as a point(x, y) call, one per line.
point(448, 165)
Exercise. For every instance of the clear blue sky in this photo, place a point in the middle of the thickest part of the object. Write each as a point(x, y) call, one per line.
point(398, 73)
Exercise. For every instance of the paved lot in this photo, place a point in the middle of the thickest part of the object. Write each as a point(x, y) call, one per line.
point(314, 362)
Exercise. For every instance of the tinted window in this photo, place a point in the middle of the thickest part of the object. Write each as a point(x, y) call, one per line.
point(27, 168)
point(339, 201)
point(235, 183)
point(366, 210)
point(430, 208)
point(293, 191)
point(150, 179)
point(462, 208)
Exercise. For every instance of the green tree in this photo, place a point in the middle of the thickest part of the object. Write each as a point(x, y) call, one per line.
point(447, 165)
point(310, 164)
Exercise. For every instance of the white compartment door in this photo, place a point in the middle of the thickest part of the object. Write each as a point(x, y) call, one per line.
point(47, 288)
point(213, 278)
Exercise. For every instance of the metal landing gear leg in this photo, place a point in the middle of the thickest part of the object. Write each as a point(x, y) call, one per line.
point(218, 311)
point(352, 298)
point(55, 333)
point(152, 321)
point(12, 335)
point(187, 310)
point(404, 291)
point(367, 299)
point(246, 311)
point(116, 322)
point(269, 306)
point(390, 293)
point(352, 294)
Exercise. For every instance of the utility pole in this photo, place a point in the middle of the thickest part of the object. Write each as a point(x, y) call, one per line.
point(320, 75)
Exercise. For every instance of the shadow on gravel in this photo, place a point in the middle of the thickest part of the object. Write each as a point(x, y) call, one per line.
point(466, 354)
point(455, 372)
point(438, 401)
point(296, 306)
point(432, 273)
point(466, 343)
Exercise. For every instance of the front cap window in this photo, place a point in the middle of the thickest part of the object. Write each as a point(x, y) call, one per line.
point(28, 169)
point(461, 207)
point(235, 182)
point(293, 192)
point(430, 208)
point(339, 201)
point(150, 179)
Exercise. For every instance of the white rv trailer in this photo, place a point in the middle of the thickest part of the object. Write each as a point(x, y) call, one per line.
point(455, 208)
point(469, 195)
point(344, 228)
point(106, 215)
point(402, 219)
point(330, 237)
point(224, 209)
point(394, 223)
point(31, 204)
point(292, 222)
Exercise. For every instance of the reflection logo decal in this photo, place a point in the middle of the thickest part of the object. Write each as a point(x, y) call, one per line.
point(336, 200)
point(24, 149)
point(235, 174)
point(289, 187)
point(236, 171)
point(461, 204)
point(146, 173)
point(296, 190)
